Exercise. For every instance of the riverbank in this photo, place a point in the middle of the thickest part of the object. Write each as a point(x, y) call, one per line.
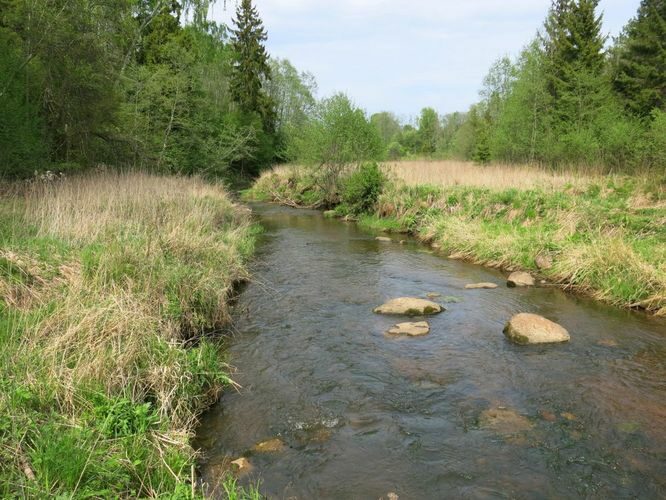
point(115, 289)
point(601, 236)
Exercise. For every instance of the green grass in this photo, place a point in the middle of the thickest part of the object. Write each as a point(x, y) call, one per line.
point(606, 239)
point(110, 286)
point(384, 224)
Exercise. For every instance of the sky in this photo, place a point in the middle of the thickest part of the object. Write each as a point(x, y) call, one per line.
point(403, 55)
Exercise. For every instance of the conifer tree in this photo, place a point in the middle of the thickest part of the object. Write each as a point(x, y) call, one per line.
point(641, 73)
point(250, 65)
point(575, 60)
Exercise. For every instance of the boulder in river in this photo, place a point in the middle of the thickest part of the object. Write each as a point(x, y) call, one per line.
point(520, 278)
point(433, 295)
point(411, 329)
point(527, 328)
point(474, 286)
point(384, 239)
point(409, 306)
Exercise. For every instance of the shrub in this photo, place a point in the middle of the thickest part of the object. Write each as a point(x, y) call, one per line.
point(395, 151)
point(362, 188)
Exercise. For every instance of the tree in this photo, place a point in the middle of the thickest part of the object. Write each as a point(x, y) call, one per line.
point(575, 61)
point(641, 66)
point(292, 92)
point(522, 127)
point(250, 67)
point(339, 137)
point(428, 133)
point(387, 125)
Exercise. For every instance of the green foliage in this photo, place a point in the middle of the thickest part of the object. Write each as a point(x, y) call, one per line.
point(640, 60)
point(337, 137)
point(235, 492)
point(555, 104)
point(362, 188)
point(127, 83)
point(428, 130)
point(121, 417)
point(395, 151)
point(339, 134)
point(387, 125)
point(250, 65)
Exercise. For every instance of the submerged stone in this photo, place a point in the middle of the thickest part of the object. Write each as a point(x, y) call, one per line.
point(416, 329)
point(433, 295)
point(241, 465)
point(474, 286)
point(527, 328)
point(409, 306)
point(383, 239)
point(271, 446)
point(520, 278)
point(504, 421)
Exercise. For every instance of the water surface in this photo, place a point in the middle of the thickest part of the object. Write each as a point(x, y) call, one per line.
point(362, 414)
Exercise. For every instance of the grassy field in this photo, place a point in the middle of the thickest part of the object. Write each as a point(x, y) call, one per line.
point(112, 286)
point(604, 236)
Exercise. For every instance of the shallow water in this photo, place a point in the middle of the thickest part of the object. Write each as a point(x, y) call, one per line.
point(362, 414)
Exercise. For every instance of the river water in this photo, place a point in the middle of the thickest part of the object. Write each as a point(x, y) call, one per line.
point(459, 413)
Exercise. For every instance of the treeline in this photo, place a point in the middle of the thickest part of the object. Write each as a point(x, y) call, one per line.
point(565, 100)
point(146, 83)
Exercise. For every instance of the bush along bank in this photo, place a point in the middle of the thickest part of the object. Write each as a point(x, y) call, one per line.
point(605, 238)
point(111, 288)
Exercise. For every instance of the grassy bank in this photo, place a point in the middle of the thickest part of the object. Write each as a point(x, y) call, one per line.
point(605, 236)
point(112, 287)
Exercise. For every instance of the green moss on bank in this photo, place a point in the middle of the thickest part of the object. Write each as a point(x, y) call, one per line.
point(110, 289)
point(606, 239)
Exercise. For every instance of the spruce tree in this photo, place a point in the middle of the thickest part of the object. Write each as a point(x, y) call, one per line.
point(641, 72)
point(575, 61)
point(250, 65)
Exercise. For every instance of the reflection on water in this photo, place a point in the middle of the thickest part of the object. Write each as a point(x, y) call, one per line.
point(460, 413)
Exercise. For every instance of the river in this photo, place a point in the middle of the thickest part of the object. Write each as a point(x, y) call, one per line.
point(459, 413)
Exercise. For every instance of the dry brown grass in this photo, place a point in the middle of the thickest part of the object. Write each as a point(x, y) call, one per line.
point(150, 264)
point(447, 173)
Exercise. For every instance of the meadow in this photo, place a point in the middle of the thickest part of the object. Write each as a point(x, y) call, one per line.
point(115, 291)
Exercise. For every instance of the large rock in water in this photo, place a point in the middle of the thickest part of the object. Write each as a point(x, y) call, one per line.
point(409, 306)
point(520, 278)
point(411, 329)
point(527, 328)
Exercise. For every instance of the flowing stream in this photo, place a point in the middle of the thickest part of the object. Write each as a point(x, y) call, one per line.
point(459, 413)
